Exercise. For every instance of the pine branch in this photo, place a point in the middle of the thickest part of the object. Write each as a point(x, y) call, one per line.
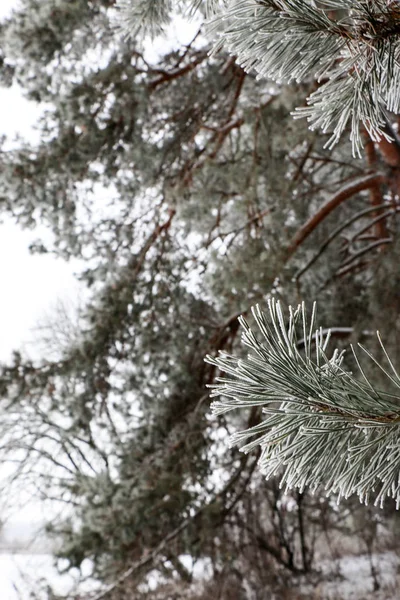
point(282, 40)
point(323, 426)
point(146, 17)
point(352, 48)
point(149, 17)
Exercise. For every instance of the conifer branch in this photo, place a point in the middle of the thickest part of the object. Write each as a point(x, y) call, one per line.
point(350, 47)
point(323, 426)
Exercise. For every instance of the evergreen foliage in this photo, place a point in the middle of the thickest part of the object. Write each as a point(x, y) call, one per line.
point(325, 427)
point(188, 193)
point(350, 47)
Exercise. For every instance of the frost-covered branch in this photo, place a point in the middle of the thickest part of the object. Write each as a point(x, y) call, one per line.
point(322, 426)
point(350, 47)
point(151, 16)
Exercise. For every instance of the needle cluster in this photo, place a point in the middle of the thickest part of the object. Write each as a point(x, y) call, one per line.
point(321, 425)
point(351, 48)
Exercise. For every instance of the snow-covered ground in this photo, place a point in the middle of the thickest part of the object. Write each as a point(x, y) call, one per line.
point(20, 574)
point(349, 578)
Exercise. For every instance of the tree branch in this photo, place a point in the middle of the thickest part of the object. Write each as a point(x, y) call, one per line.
point(347, 191)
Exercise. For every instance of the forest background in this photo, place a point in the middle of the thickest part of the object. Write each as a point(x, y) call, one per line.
point(188, 193)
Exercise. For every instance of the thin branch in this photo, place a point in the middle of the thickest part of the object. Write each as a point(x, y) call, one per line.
point(337, 232)
point(350, 189)
point(176, 73)
point(362, 251)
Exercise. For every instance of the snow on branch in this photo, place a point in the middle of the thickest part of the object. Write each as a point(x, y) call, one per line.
point(350, 47)
point(151, 16)
point(147, 17)
point(322, 426)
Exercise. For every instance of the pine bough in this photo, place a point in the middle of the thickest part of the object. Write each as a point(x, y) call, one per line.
point(351, 47)
point(322, 426)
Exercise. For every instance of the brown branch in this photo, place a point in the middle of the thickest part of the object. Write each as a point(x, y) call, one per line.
point(152, 238)
point(303, 161)
point(224, 129)
point(390, 150)
point(338, 231)
point(346, 192)
point(362, 234)
point(187, 49)
point(356, 267)
point(263, 543)
point(226, 331)
point(175, 74)
point(223, 339)
point(375, 191)
point(365, 250)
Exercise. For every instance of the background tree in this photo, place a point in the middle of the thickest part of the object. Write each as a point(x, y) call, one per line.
point(190, 194)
